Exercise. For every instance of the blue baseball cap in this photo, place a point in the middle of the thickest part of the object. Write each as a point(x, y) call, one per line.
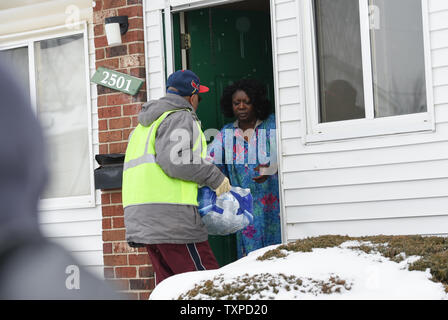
point(186, 82)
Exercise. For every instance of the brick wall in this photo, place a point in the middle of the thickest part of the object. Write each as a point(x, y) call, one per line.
point(128, 268)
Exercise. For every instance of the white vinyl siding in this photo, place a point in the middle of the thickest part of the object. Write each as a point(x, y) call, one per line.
point(79, 231)
point(391, 184)
point(430, 226)
point(154, 46)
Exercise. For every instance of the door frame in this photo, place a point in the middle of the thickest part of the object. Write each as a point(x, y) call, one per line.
point(166, 10)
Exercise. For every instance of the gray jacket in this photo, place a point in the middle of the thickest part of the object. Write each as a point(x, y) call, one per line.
point(168, 223)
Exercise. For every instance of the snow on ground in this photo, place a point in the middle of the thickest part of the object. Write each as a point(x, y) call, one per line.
point(348, 274)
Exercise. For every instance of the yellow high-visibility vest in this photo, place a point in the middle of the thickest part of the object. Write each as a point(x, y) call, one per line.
point(144, 181)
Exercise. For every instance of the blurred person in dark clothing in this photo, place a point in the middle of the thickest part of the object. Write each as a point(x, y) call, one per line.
point(31, 267)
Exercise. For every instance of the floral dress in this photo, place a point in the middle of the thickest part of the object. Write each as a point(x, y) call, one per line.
point(237, 159)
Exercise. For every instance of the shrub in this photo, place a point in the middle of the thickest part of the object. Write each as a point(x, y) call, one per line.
point(432, 250)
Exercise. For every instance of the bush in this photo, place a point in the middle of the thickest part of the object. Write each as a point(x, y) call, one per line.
point(432, 250)
point(433, 253)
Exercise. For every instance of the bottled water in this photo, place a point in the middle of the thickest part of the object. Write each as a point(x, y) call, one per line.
point(227, 213)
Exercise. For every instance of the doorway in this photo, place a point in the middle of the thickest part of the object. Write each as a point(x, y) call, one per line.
point(223, 44)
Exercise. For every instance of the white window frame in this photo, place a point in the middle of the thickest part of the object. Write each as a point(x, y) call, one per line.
point(27, 39)
point(315, 132)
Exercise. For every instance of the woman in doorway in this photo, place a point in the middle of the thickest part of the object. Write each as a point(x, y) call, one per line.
point(245, 151)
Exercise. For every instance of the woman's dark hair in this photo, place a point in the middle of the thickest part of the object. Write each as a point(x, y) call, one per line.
point(256, 93)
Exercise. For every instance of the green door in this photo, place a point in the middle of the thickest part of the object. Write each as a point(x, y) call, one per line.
point(226, 45)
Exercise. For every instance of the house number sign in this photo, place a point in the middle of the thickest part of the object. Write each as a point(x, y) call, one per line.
point(117, 81)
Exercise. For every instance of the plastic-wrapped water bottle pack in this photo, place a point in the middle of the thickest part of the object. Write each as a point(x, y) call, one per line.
point(228, 213)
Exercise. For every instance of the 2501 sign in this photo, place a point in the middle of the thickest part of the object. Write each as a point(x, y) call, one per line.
point(112, 80)
point(117, 80)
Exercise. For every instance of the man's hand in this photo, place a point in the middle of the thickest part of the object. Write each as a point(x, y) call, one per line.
point(223, 187)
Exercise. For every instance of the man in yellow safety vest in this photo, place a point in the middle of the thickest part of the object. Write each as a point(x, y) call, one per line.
point(164, 165)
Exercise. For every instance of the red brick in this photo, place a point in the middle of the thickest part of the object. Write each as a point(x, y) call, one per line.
point(101, 101)
point(117, 99)
point(99, 16)
point(144, 295)
point(109, 273)
point(107, 223)
point(131, 61)
point(127, 133)
point(110, 136)
point(112, 211)
point(125, 71)
point(139, 259)
point(107, 248)
point(104, 90)
point(133, 36)
point(131, 11)
point(118, 222)
point(134, 121)
point(141, 284)
point(116, 260)
point(131, 2)
point(123, 247)
point(100, 42)
point(104, 148)
point(119, 147)
point(105, 198)
point(136, 23)
point(109, 112)
point(116, 51)
point(108, 63)
point(102, 125)
point(99, 54)
point(145, 272)
point(138, 47)
point(98, 5)
point(126, 272)
point(108, 4)
point(116, 197)
point(120, 123)
point(138, 72)
point(139, 97)
point(98, 30)
point(113, 235)
point(132, 109)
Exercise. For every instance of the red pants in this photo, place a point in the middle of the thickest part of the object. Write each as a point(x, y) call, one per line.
point(171, 259)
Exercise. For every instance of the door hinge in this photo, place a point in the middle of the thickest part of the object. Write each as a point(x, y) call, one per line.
point(185, 41)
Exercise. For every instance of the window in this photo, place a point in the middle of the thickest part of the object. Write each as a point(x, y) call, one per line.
point(371, 68)
point(54, 74)
point(398, 61)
